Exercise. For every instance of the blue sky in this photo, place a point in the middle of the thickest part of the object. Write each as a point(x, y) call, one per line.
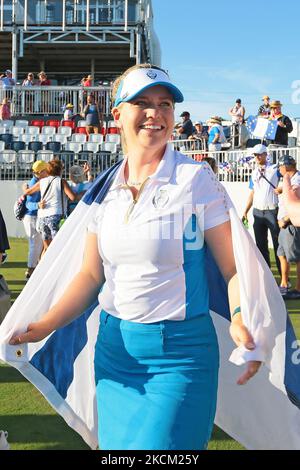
point(220, 50)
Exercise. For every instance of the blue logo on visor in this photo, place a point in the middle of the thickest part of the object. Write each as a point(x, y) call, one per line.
point(151, 74)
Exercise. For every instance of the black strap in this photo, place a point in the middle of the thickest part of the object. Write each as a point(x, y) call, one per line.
point(271, 184)
point(48, 187)
point(62, 197)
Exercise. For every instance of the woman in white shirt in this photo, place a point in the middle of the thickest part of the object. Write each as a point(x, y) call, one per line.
point(53, 204)
point(156, 357)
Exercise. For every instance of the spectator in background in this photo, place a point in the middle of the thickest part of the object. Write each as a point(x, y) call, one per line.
point(237, 112)
point(44, 81)
point(53, 204)
point(199, 133)
point(285, 125)
point(93, 116)
point(291, 199)
point(7, 80)
point(265, 177)
point(216, 136)
point(5, 109)
point(87, 81)
point(29, 80)
point(186, 128)
point(264, 110)
point(212, 163)
point(199, 137)
point(81, 181)
point(68, 113)
point(4, 243)
point(39, 169)
point(289, 236)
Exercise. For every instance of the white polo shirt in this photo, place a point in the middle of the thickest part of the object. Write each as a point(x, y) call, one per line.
point(153, 252)
point(264, 197)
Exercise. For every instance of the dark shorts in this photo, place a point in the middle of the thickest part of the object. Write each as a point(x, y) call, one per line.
point(289, 243)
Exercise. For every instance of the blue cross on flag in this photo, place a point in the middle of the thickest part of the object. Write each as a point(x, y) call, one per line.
point(261, 127)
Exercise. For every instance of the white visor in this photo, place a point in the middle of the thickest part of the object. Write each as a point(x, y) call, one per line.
point(141, 79)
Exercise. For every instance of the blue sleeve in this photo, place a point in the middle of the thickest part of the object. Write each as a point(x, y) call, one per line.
point(279, 174)
point(251, 185)
point(32, 206)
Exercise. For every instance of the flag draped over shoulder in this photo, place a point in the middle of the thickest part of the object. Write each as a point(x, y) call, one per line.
point(262, 128)
point(264, 414)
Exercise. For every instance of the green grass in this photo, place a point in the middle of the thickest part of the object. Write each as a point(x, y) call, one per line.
point(30, 421)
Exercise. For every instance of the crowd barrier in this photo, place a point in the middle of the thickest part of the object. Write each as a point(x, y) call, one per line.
point(232, 165)
point(51, 100)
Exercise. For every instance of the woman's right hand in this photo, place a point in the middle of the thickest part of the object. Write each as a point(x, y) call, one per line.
point(35, 332)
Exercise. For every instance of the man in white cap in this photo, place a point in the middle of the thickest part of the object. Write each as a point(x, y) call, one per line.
point(199, 135)
point(263, 182)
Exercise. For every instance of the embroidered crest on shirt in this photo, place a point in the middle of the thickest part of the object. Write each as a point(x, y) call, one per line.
point(160, 199)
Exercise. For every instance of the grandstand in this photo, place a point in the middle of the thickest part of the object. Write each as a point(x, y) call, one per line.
point(100, 37)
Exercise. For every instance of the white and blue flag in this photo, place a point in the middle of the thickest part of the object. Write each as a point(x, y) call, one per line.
point(262, 128)
point(264, 414)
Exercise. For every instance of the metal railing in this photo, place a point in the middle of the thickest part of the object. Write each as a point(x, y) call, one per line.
point(51, 100)
point(232, 165)
point(70, 13)
point(18, 165)
point(237, 165)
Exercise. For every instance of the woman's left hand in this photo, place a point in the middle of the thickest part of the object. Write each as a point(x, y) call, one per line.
point(241, 336)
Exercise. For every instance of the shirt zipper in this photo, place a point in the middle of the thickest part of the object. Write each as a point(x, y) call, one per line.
point(134, 202)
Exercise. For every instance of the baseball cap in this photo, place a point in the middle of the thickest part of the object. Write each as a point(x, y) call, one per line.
point(38, 166)
point(198, 122)
point(184, 113)
point(69, 106)
point(286, 160)
point(8, 71)
point(140, 80)
point(259, 149)
point(238, 101)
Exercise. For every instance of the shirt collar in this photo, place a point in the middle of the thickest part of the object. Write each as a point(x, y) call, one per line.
point(163, 172)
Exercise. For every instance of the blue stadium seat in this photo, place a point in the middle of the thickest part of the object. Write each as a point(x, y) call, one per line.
point(7, 138)
point(18, 145)
point(35, 146)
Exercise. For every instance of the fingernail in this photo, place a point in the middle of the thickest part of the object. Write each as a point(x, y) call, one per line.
point(250, 345)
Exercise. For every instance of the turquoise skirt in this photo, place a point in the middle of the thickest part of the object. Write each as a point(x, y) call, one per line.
point(156, 384)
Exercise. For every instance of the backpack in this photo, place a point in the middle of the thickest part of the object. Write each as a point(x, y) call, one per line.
point(20, 208)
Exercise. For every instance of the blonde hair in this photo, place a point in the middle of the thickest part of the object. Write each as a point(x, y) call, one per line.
point(116, 85)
